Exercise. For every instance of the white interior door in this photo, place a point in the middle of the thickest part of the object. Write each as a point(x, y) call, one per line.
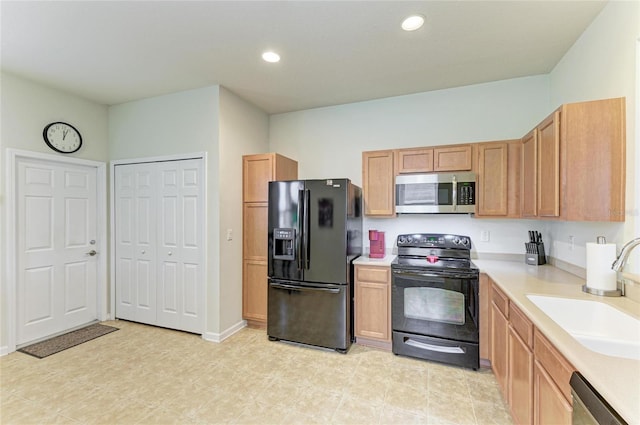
point(136, 242)
point(57, 270)
point(180, 245)
point(159, 230)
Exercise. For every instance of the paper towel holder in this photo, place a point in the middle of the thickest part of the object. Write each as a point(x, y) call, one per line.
point(601, 292)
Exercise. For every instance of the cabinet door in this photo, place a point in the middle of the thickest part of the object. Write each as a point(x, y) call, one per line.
point(492, 181)
point(378, 183)
point(528, 191)
point(372, 311)
point(258, 171)
point(549, 166)
point(373, 303)
point(414, 160)
point(520, 378)
point(254, 232)
point(549, 405)
point(593, 160)
point(254, 290)
point(499, 348)
point(485, 316)
point(455, 158)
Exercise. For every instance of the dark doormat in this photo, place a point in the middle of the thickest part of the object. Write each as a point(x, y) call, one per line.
point(59, 343)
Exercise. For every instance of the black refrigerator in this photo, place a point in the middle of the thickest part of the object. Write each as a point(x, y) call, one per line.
point(315, 232)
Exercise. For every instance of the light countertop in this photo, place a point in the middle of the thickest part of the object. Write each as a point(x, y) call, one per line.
point(616, 379)
point(364, 260)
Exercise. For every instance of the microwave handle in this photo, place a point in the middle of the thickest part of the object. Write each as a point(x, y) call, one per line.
point(454, 193)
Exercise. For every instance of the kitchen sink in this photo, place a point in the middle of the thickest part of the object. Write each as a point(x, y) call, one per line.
point(597, 326)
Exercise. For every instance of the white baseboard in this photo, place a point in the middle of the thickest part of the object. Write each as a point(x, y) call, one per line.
point(4, 350)
point(219, 337)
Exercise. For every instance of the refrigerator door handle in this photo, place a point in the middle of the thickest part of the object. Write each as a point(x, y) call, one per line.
point(304, 288)
point(305, 229)
point(299, 241)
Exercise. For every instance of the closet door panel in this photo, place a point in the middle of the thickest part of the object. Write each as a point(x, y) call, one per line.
point(181, 240)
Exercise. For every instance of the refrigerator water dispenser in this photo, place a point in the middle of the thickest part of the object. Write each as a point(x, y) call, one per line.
point(284, 244)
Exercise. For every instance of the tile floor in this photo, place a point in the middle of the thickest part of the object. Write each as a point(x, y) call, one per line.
point(147, 375)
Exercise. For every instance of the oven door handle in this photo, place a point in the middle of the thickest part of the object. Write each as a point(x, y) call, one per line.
point(431, 347)
point(304, 288)
point(450, 274)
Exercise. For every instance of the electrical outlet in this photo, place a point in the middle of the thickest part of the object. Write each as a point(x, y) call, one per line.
point(229, 234)
point(485, 236)
point(571, 243)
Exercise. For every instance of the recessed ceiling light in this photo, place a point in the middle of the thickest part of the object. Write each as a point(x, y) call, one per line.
point(271, 57)
point(413, 22)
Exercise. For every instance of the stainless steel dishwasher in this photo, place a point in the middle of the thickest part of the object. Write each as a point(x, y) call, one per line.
point(589, 408)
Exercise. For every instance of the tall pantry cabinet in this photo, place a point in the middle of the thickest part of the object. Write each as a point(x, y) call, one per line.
point(257, 171)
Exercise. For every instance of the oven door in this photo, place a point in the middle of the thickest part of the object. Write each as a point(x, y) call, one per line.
point(435, 303)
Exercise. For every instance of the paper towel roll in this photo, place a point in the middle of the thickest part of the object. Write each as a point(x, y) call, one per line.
point(600, 257)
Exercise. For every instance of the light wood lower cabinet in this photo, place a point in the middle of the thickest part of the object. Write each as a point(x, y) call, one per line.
point(550, 405)
point(532, 374)
point(520, 368)
point(499, 339)
point(372, 305)
point(254, 290)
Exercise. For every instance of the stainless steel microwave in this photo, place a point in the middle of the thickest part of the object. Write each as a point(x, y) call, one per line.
point(436, 193)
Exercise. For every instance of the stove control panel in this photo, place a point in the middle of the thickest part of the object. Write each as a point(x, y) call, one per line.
point(434, 240)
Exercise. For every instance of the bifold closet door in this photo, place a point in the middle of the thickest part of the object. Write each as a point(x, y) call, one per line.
point(180, 240)
point(159, 243)
point(136, 199)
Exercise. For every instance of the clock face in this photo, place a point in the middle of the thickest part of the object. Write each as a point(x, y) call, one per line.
point(62, 137)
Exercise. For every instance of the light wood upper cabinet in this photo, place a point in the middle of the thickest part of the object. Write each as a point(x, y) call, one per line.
point(436, 159)
point(414, 160)
point(593, 157)
point(548, 171)
point(573, 163)
point(529, 175)
point(498, 178)
point(378, 183)
point(453, 158)
point(257, 172)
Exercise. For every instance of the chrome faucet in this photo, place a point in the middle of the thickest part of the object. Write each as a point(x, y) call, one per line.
point(624, 254)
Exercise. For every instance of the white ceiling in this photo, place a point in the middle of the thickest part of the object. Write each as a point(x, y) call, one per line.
point(333, 52)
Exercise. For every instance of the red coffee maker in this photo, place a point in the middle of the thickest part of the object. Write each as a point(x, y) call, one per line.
point(376, 244)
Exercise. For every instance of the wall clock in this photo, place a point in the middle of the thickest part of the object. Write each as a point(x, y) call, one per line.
point(62, 137)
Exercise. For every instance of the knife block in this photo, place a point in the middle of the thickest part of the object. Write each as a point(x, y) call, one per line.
point(534, 255)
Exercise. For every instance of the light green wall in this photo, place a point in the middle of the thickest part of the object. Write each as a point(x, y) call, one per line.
point(328, 143)
point(216, 121)
point(177, 123)
point(27, 108)
point(602, 64)
point(244, 129)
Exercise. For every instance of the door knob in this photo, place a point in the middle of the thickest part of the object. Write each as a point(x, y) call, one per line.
point(92, 252)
